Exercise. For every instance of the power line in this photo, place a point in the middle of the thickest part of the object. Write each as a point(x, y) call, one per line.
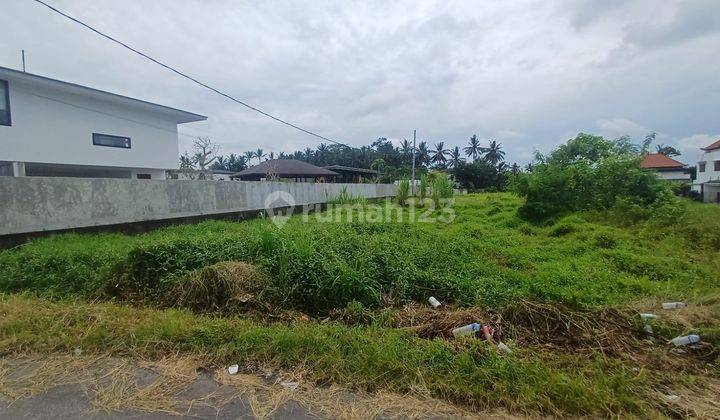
point(206, 86)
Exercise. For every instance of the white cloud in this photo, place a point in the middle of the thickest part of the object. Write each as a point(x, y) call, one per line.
point(617, 127)
point(690, 146)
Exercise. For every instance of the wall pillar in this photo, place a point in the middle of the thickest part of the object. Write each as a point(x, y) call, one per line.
point(18, 168)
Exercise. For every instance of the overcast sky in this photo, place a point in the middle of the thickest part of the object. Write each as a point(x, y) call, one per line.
point(529, 74)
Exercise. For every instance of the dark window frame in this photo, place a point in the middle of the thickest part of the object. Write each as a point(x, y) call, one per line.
point(701, 166)
point(7, 101)
point(717, 166)
point(95, 141)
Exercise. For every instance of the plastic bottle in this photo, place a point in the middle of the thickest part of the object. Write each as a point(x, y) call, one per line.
point(503, 347)
point(673, 305)
point(647, 317)
point(686, 339)
point(466, 329)
point(434, 302)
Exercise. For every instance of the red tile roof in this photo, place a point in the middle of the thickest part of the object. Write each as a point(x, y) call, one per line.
point(657, 160)
point(712, 147)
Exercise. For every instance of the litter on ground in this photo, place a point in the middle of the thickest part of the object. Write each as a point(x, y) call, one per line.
point(685, 340)
point(233, 369)
point(673, 305)
point(434, 302)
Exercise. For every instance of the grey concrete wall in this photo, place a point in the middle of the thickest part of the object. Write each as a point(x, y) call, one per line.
point(36, 204)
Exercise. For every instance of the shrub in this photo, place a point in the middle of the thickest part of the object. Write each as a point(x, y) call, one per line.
point(591, 173)
point(403, 192)
point(442, 188)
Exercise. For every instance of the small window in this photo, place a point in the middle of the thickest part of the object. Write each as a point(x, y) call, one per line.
point(701, 166)
point(144, 176)
point(4, 103)
point(111, 141)
point(717, 165)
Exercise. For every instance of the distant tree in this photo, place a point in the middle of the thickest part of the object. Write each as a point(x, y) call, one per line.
point(515, 168)
point(204, 155)
point(186, 162)
point(649, 139)
point(235, 163)
point(473, 149)
point(259, 154)
point(249, 156)
point(439, 155)
point(479, 175)
point(455, 158)
point(423, 154)
point(667, 150)
point(494, 153)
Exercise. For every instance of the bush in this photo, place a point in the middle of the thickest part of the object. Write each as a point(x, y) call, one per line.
point(442, 188)
point(591, 173)
point(479, 176)
point(403, 192)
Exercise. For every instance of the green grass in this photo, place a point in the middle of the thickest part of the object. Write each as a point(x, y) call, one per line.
point(368, 358)
point(486, 256)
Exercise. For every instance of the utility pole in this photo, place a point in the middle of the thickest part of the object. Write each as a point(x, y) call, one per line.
point(413, 164)
point(23, 58)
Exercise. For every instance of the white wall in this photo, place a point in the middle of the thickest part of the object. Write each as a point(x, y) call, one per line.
point(51, 124)
point(678, 175)
point(710, 173)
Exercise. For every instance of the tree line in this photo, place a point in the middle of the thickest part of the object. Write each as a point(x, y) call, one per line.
point(392, 162)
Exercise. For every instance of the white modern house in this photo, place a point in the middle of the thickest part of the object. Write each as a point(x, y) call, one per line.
point(707, 182)
point(665, 167)
point(53, 128)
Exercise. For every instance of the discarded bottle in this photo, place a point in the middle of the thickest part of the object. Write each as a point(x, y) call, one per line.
point(647, 317)
point(685, 340)
point(673, 305)
point(466, 329)
point(504, 348)
point(434, 302)
point(233, 369)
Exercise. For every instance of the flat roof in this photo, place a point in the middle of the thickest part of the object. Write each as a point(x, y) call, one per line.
point(180, 115)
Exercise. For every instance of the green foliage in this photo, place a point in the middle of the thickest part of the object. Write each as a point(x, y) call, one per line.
point(346, 197)
point(403, 192)
point(488, 256)
point(424, 183)
point(478, 176)
point(442, 189)
point(592, 173)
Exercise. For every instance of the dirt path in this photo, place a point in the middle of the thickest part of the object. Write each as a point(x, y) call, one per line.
point(101, 387)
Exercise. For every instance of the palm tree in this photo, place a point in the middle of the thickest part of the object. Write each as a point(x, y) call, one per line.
point(423, 153)
point(308, 154)
point(249, 156)
point(439, 154)
point(667, 150)
point(494, 153)
point(473, 149)
point(515, 168)
point(406, 150)
point(259, 155)
point(455, 158)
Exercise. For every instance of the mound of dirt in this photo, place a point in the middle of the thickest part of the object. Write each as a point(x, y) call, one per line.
point(223, 286)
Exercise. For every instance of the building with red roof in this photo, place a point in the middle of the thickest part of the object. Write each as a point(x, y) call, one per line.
point(666, 167)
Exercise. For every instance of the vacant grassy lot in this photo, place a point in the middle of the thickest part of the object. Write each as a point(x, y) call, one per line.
point(566, 294)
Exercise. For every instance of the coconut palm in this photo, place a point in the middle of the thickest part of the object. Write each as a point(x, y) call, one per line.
point(405, 149)
point(667, 150)
point(473, 149)
point(439, 155)
point(249, 156)
point(260, 155)
point(423, 153)
point(455, 158)
point(494, 153)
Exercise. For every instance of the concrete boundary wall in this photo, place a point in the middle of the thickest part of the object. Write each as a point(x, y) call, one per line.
point(37, 204)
